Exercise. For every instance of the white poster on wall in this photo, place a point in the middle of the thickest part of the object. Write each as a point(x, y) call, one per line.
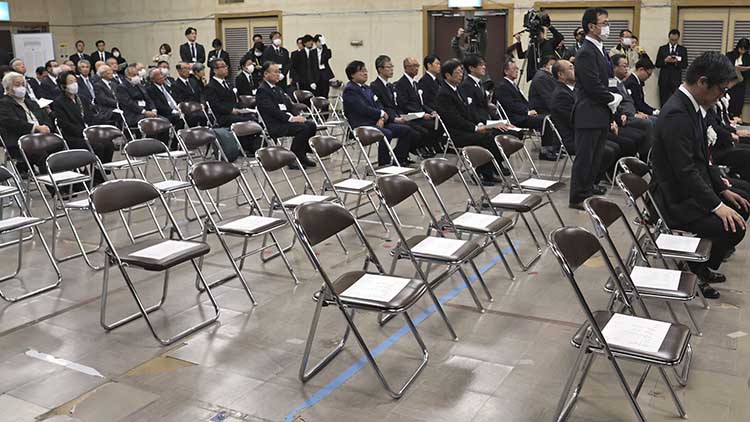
point(34, 49)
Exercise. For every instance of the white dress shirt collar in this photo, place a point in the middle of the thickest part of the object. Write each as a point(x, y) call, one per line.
point(410, 79)
point(431, 75)
point(597, 43)
point(383, 80)
point(219, 80)
point(474, 78)
point(696, 106)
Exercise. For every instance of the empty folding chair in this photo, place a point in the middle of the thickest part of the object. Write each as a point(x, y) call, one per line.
point(159, 128)
point(630, 165)
point(363, 290)
point(159, 254)
point(302, 96)
point(520, 203)
point(511, 146)
point(490, 227)
point(367, 136)
point(199, 143)
point(247, 101)
point(107, 133)
point(11, 190)
point(71, 169)
point(324, 147)
point(193, 114)
point(628, 336)
point(562, 153)
point(248, 163)
point(211, 175)
point(36, 147)
point(452, 254)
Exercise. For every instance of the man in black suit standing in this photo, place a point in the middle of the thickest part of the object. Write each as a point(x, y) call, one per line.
point(133, 99)
point(690, 192)
point(79, 54)
point(304, 66)
point(592, 112)
point(277, 54)
point(101, 54)
point(671, 59)
point(325, 73)
point(635, 82)
point(218, 53)
point(428, 85)
point(186, 88)
point(191, 51)
point(224, 103)
point(279, 116)
point(409, 101)
point(165, 104)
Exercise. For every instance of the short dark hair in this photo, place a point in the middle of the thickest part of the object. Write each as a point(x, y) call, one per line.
point(644, 63)
point(244, 60)
point(544, 61)
point(160, 62)
point(674, 31)
point(556, 70)
point(576, 31)
point(258, 46)
point(591, 16)
point(267, 65)
point(616, 59)
point(166, 47)
point(48, 63)
point(429, 59)
point(623, 31)
point(507, 64)
point(61, 79)
point(257, 36)
point(743, 43)
point(99, 42)
point(472, 60)
point(354, 67)
point(80, 42)
point(381, 60)
point(189, 30)
point(214, 64)
point(307, 38)
point(39, 70)
point(216, 43)
point(299, 39)
point(449, 66)
point(714, 66)
point(274, 33)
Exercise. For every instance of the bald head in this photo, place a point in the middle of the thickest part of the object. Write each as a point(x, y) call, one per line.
point(564, 72)
point(411, 66)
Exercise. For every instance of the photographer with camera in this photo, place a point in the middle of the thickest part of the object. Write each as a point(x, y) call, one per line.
point(536, 24)
point(458, 44)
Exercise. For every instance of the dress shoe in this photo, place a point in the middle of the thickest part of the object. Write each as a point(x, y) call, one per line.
point(486, 181)
point(548, 155)
point(576, 206)
point(307, 163)
point(713, 277)
point(600, 190)
point(492, 178)
point(709, 292)
point(293, 166)
point(405, 162)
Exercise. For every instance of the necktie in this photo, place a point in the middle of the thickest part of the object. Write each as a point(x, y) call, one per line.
point(170, 100)
point(101, 56)
point(192, 49)
point(89, 87)
point(672, 50)
point(189, 85)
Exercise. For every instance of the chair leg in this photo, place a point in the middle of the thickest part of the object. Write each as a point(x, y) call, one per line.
point(505, 261)
point(304, 374)
point(677, 402)
point(481, 280)
point(567, 402)
point(624, 384)
point(682, 376)
point(284, 258)
point(19, 256)
point(554, 208)
point(470, 288)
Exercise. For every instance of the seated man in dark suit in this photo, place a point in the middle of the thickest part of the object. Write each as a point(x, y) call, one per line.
point(186, 88)
point(635, 82)
point(244, 82)
point(165, 104)
point(85, 82)
point(633, 124)
point(517, 108)
point(133, 99)
point(428, 85)
point(19, 66)
point(542, 86)
point(106, 97)
point(225, 105)
point(279, 116)
point(409, 101)
point(35, 83)
point(459, 121)
point(48, 86)
point(471, 89)
point(690, 193)
point(363, 108)
point(388, 97)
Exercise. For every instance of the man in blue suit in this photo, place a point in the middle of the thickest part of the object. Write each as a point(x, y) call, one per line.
point(363, 108)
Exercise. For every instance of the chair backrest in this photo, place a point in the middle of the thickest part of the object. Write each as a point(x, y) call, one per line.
point(189, 107)
point(573, 246)
point(37, 143)
point(439, 170)
point(368, 135)
point(633, 184)
point(321, 220)
point(99, 134)
point(395, 188)
point(212, 174)
point(5, 175)
point(120, 194)
point(274, 158)
point(603, 210)
point(325, 145)
point(634, 165)
point(303, 96)
point(247, 101)
point(509, 144)
point(299, 107)
point(477, 156)
point(70, 160)
point(246, 128)
point(197, 137)
point(145, 147)
point(321, 103)
point(153, 126)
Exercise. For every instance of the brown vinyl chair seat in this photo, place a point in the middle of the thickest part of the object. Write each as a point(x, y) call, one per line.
point(402, 301)
point(671, 352)
point(686, 289)
point(153, 264)
point(701, 254)
point(469, 250)
point(15, 223)
point(249, 225)
point(528, 204)
point(499, 224)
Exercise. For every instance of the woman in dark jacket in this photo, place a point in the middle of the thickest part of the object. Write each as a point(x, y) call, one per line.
point(73, 115)
point(741, 59)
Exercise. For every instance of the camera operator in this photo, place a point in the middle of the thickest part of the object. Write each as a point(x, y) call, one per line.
point(536, 24)
point(458, 44)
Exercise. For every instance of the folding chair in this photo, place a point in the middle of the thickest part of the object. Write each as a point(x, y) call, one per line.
point(631, 165)
point(188, 108)
point(248, 163)
point(510, 146)
point(490, 227)
point(211, 175)
point(10, 189)
point(302, 96)
point(562, 154)
point(98, 134)
point(432, 250)
point(324, 147)
point(156, 255)
point(367, 136)
point(520, 203)
point(247, 101)
point(354, 290)
point(574, 246)
point(39, 145)
point(156, 128)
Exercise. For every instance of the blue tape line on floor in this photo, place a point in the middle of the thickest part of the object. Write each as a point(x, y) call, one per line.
point(352, 370)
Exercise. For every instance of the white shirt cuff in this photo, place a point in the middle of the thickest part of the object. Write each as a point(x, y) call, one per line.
point(717, 207)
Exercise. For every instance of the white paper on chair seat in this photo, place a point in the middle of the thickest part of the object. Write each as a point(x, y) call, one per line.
point(635, 333)
point(249, 223)
point(496, 123)
point(671, 242)
point(8, 222)
point(166, 185)
point(413, 116)
point(376, 287)
point(394, 170)
point(164, 249)
point(81, 203)
point(475, 220)
point(538, 183)
point(63, 176)
point(510, 198)
point(439, 246)
point(354, 184)
point(174, 154)
point(120, 163)
point(7, 189)
point(301, 199)
point(656, 278)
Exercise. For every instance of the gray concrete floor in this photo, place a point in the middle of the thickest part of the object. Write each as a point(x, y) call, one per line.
point(509, 364)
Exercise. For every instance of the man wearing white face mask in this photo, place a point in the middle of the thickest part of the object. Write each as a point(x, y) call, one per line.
point(593, 107)
point(279, 55)
point(244, 82)
point(133, 99)
point(625, 47)
point(163, 66)
point(48, 86)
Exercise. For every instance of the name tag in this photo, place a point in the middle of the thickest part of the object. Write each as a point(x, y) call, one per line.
point(679, 58)
point(613, 83)
point(282, 107)
point(322, 67)
point(141, 103)
point(374, 97)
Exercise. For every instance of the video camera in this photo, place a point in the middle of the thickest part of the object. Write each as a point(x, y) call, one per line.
point(534, 21)
point(476, 34)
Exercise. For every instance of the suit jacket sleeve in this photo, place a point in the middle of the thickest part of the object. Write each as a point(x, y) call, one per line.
point(660, 56)
point(9, 122)
point(588, 78)
point(354, 101)
point(212, 97)
point(126, 103)
point(185, 54)
point(162, 107)
point(448, 110)
point(562, 106)
point(504, 93)
point(684, 54)
point(104, 99)
point(267, 105)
